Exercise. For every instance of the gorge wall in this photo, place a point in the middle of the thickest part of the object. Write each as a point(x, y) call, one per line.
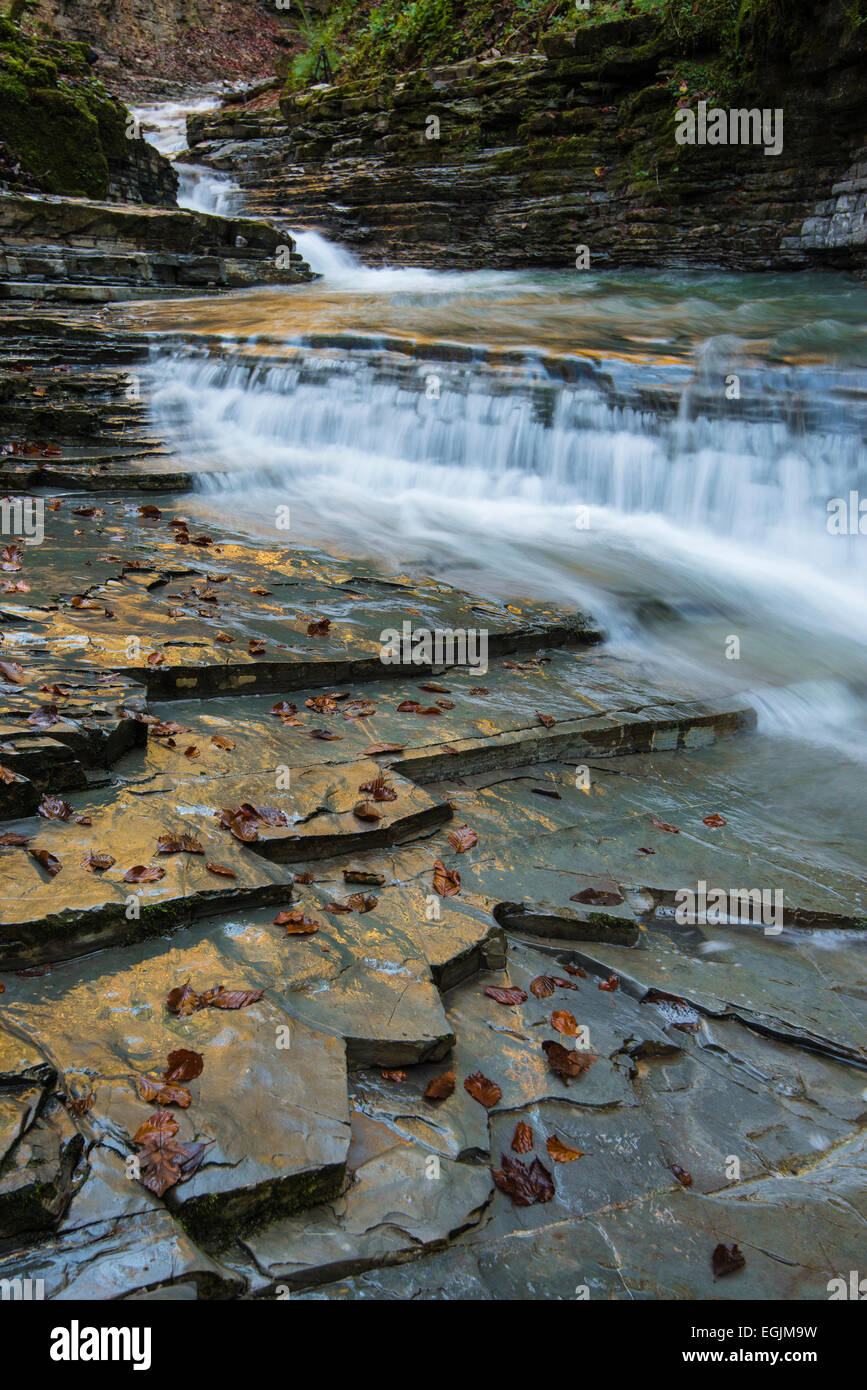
point(164, 45)
point(62, 132)
point(517, 159)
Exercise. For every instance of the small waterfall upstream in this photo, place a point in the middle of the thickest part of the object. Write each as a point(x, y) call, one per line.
point(199, 188)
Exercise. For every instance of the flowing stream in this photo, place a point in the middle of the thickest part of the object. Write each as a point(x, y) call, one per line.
point(202, 189)
point(673, 452)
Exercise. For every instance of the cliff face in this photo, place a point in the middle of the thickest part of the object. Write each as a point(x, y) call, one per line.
point(61, 132)
point(163, 44)
point(509, 161)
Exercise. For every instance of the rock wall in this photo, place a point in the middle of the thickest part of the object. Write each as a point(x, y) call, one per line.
point(520, 160)
point(839, 223)
point(169, 43)
point(61, 132)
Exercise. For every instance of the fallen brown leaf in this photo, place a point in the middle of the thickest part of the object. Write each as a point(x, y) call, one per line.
point(161, 1122)
point(485, 1091)
point(220, 870)
point(463, 839)
point(178, 844)
point(560, 1152)
point(446, 882)
point(564, 1061)
point(163, 1093)
point(97, 863)
point(525, 1185)
point(441, 1087)
point(50, 863)
point(505, 996)
point(295, 923)
point(144, 873)
point(184, 1065)
point(726, 1259)
point(542, 986)
point(522, 1139)
point(597, 897)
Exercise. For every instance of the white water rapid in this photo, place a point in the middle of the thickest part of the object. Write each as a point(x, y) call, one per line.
point(565, 436)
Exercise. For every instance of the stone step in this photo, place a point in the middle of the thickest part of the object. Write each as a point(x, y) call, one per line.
point(85, 909)
point(115, 631)
point(253, 1105)
point(82, 476)
point(77, 251)
point(635, 826)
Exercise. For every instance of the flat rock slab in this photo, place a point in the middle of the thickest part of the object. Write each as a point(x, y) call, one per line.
point(358, 977)
point(372, 976)
point(459, 722)
point(791, 986)
point(270, 1102)
point(796, 1234)
point(400, 1203)
point(762, 1133)
point(503, 1042)
point(180, 614)
point(733, 1092)
point(637, 826)
point(56, 721)
point(45, 916)
point(565, 1260)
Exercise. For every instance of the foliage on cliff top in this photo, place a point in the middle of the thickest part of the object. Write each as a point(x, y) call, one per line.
point(58, 125)
point(372, 38)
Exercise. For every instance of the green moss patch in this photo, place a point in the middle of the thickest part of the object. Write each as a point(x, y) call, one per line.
point(59, 127)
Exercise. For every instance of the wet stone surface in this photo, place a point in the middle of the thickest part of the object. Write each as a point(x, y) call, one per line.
point(441, 903)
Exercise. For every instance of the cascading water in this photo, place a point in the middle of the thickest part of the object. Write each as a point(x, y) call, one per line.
point(659, 449)
point(199, 188)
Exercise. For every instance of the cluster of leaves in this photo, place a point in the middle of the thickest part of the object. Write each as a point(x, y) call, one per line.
point(164, 1160)
point(243, 821)
point(183, 1000)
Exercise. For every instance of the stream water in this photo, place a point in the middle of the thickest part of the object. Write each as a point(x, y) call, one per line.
point(660, 449)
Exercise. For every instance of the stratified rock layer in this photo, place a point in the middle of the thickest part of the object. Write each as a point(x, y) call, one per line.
point(522, 160)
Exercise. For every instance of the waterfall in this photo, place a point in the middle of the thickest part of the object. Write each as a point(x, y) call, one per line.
point(199, 188)
point(665, 451)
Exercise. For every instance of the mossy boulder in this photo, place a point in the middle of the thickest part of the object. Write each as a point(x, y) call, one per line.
point(60, 130)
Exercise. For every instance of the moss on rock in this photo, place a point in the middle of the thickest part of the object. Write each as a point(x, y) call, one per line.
point(59, 127)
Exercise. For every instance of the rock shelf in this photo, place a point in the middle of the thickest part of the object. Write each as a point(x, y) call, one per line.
point(317, 1143)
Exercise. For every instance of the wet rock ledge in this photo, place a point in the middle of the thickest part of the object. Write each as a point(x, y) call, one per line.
point(75, 251)
point(301, 954)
